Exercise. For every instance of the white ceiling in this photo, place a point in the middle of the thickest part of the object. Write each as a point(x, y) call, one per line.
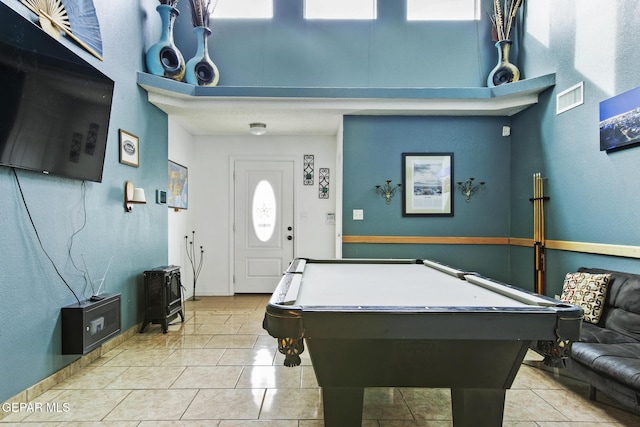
point(215, 119)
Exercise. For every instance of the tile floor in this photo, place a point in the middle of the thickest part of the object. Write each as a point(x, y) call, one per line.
point(219, 368)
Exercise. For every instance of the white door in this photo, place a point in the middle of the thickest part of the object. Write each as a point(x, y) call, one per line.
point(263, 224)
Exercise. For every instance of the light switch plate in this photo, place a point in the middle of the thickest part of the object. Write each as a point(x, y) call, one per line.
point(161, 197)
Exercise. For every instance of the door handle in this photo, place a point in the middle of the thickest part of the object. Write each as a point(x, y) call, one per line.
point(289, 237)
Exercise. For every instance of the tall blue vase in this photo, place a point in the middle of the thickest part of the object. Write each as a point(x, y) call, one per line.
point(201, 70)
point(163, 58)
point(504, 72)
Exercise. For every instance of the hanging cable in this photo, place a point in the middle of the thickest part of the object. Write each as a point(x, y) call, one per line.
point(84, 272)
point(24, 202)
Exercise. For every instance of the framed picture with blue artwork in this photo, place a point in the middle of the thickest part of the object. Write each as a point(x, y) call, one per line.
point(426, 182)
point(178, 186)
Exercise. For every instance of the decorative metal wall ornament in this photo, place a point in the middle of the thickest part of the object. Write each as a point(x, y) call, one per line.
point(387, 190)
point(323, 183)
point(308, 169)
point(468, 188)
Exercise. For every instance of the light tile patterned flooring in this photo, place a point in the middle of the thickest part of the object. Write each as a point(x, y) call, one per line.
point(220, 368)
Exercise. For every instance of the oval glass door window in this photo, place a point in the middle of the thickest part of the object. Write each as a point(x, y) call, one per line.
point(263, 211)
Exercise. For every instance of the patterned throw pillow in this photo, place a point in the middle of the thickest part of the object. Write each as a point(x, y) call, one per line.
point(588, 291)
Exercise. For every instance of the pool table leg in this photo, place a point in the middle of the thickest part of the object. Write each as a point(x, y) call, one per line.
point(473, 407)
point(342, 406)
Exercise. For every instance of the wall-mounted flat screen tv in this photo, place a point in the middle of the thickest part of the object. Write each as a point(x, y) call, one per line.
point(620, 121)
point(54, 112)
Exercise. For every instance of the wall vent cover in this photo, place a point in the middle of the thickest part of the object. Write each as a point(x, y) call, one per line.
point(570, 98)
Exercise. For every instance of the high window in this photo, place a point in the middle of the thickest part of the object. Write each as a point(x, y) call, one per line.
point(340, 9)
point(244, 9)
point(443, 10)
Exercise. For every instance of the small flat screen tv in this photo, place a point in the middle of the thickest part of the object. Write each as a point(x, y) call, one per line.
point(620, 121)
point(55, 107)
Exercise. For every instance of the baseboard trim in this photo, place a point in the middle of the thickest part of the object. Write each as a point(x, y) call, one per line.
point(47, 383)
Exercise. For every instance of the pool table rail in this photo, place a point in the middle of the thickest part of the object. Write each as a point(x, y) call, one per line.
point(554, 323)
point(283, 318)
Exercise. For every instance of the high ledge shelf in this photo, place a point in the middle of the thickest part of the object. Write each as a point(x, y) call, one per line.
point(181, 99)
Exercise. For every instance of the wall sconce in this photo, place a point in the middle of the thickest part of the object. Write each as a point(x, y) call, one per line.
point(133, 196)
point(258, 128)
point(468, 188)
point(387, 190)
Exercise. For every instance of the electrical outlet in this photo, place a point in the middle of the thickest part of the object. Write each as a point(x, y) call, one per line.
point(358, 214)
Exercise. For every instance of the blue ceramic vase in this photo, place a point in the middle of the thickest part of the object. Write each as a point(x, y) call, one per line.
point(505, 72)
point(163, 58)
point(201, 70)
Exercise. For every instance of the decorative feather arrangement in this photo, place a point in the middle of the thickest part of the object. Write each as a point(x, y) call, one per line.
point(201, 11)
point(503, 18)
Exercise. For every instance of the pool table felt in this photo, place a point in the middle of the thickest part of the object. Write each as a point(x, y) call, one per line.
point(392, 285)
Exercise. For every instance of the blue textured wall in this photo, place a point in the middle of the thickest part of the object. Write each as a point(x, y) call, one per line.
point(373, 148)
point(387, 52)
point(31, 294)
point(593, 194)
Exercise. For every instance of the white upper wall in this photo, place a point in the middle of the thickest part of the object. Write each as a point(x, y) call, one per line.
point(209, 160)
point(180, 223)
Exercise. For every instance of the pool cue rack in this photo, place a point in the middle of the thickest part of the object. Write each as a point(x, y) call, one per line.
point(538, 232)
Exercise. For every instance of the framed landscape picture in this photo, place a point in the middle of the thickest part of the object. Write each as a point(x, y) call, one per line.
point(427, 180)
point(178, 186)
point(620, 121)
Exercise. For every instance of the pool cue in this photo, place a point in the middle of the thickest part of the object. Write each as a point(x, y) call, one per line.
point(538, 233)
point(542, 239)
point(535, 233)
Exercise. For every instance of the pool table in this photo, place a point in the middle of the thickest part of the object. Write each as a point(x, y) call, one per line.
point(411, 323)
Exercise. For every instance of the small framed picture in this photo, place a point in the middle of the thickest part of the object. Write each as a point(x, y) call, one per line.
point(129, 148)
point(427, 180)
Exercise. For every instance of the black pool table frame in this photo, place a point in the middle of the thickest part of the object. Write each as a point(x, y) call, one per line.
point(474, 351)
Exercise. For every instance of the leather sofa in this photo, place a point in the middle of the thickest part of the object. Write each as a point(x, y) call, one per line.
point(608, 354)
